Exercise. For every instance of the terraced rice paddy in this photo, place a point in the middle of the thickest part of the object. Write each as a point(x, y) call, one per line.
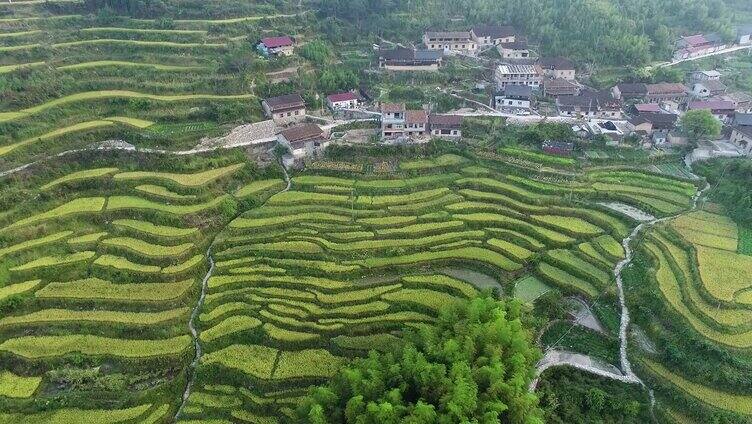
point(104, 282)
point(352, 266)
point(121, 77)
point(109, 94)
point(659, 195)
point(728, 401)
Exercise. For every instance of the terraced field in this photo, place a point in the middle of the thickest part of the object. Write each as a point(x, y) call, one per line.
point(704, 281)
point(96, 294)
point(73, 78)
point(338, 265)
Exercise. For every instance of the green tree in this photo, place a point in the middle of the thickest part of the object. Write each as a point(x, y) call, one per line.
point(700, 125)
point(473, 365)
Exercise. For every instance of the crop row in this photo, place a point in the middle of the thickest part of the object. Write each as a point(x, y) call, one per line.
point(259, 361)
point(37, 347)
point(693, 291)
point(186, 180)
point(671, 290)
point(47, 316)
point(101, 290)
point(723, 400)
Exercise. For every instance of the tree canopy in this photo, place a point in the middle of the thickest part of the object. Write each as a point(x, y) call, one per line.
point(474, 365)
point(617, 32)
point(699, 125)
point(732, 182)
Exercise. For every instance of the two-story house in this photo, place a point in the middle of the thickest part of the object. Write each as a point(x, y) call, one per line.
point(557, 67)
point(303, 140)
point(514, 98)
point(276, 46)
point(392, 120)
point(491, 35)
point(404, 59)
point(590, 104)
point(284, 109)
point(665, 91)
point(514, 50)
point(416, 123)
point(346, 100)
point(450, 41)
point(445, 126)
point(721, 109)
point(627, 91)
point(530, 75)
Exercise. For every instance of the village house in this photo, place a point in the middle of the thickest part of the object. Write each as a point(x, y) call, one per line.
point(514, 98)
point(404, 59)
point(589, 105)
point(741, 100)
point(557, 67)
point(303, 140)
point(743, 119)
point(650, 123)
point(392, 120)
point(491, 35)
point(628, 91)
point(530, 75)
point(284, 109)
point(744, 35)
point(577, 106)
point(640, 125)
point(697, 45)
point(345, 100)
point(560, 87)
point(276, 46)
point(445, 126)
point(514, 50)
point(608, 106)
point(666, 91)
point(641, 108)
point(712, 75)
point(397, 121)
point(741, 136)
point(722, 110)
point(450, 41)
point(708, 88)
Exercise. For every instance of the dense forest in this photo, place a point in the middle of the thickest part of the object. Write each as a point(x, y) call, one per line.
point(732, 186)
point(621, 32)
point(597, 32)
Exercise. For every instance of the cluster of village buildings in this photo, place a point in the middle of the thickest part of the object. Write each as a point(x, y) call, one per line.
point(521, 81)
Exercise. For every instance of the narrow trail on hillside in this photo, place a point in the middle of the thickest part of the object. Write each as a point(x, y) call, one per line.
point(553, 358)
point(197, 310)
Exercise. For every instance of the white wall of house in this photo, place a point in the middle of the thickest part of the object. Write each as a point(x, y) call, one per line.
point(284, 117)
point(567, 74)
point(742, 141)
point(345, 104)
point(467, 46)
point(449, 133)
point(505, 103)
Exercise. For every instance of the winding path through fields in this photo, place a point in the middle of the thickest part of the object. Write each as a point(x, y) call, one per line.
point(197, 310)
point(554, 358)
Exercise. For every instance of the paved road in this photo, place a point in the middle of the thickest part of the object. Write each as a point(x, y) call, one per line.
point(720, 52)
